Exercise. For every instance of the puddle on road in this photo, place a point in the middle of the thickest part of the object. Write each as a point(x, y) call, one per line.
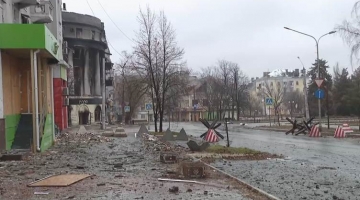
point(280, 159)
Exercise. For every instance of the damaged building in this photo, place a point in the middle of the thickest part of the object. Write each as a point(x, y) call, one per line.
point(89, 57)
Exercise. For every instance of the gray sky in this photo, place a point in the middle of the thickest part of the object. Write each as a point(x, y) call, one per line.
point(248, 32)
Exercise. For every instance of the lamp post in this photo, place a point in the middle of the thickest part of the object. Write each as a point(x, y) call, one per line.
point(318, 61)
point(307, 115)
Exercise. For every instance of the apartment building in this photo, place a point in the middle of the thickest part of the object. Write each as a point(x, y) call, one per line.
point(27, 68)
point(284, 81)
point(90, 57)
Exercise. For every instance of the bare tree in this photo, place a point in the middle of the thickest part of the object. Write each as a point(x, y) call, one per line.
point(130, 87)
point(277, 93)
point(159, 59)
point(350, 31)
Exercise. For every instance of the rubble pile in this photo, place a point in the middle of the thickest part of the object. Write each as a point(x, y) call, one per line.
point(153, 143)
point(86, 137)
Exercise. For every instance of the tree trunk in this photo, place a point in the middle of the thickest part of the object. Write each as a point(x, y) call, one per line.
point(155, 121)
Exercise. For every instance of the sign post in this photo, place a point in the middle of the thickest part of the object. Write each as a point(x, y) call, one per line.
point(319, 94)
point(269, 102)
point(148, 107)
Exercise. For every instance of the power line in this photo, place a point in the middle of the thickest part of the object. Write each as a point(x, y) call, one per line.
point(114, 22)
point(90, 7)
point(107, 39)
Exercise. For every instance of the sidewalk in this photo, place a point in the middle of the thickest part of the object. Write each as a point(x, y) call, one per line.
point(122, 169)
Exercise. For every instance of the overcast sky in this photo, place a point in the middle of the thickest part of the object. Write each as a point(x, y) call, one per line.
point(248, 32)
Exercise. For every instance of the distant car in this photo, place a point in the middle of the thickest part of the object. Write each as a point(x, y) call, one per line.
point(229, 122)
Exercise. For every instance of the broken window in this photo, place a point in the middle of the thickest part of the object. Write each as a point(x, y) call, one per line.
point(93, 35)
point(78, 32)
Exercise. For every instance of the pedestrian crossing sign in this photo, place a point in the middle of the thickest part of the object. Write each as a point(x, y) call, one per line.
point(148, 106)
point(269, 101)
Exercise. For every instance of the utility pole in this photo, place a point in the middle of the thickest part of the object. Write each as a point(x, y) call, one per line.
point(123, 93)
point(103, 94)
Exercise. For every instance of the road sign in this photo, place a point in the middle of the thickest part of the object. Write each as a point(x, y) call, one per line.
point(319, 82)
point(269, 101)
point(148, 106)
point(319, 94)
point(127, 108)
point(196, 106)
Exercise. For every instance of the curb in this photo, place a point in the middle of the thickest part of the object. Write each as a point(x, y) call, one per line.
point(270, 196)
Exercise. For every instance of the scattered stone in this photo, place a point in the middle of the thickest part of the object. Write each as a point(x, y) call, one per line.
point(317, 187)
point(174, 189)
point(189, 190)
point(206, 192)
point(100, 184)
point(80, 167)
point(71, 197)
point(13, 157)
point(118, 165)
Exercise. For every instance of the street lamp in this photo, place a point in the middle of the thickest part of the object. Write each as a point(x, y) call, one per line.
point(307, 115)
point(318, 63)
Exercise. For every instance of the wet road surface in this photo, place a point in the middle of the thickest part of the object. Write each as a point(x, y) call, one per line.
point(313, 168)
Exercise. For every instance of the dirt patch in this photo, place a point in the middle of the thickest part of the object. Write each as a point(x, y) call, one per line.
point(219, 149)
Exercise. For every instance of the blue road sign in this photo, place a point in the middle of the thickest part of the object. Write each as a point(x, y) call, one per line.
point(127, 108)
point(319, 94)
point(269, 101)
point(148, 106)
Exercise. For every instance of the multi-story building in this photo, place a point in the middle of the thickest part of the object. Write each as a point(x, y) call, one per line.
point(30, 55)
point(278, 81)
point(89, 57)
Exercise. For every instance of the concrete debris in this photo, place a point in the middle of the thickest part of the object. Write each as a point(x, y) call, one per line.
point(119, 134)
point(82, 138)
point(82, 130)
point(193, 146)
point(174, 189)
point(108, 133)
point(168, 136)
point(182, 135)
point(142, 130)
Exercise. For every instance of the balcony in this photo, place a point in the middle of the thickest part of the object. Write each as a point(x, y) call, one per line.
point(109, 65)
point(26, 3)
point(42, 13)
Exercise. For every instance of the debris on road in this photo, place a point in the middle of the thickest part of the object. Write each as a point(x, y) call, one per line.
point(41, 193)
point(59, 180)
point(174, 189)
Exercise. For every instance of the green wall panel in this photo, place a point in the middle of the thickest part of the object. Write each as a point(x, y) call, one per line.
point(63, 73)
point(51, 44)
point(11, 122)
point(47, 139)
point(17, 36)
point(29, 36)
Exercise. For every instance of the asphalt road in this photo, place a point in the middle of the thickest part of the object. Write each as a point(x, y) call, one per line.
point(313, 168)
